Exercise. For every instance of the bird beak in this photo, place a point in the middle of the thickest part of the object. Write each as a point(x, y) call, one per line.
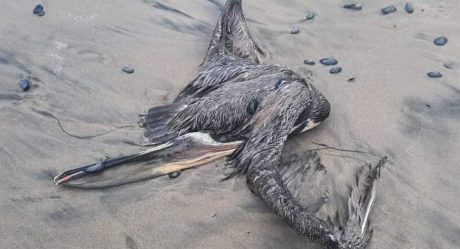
point(310, 125)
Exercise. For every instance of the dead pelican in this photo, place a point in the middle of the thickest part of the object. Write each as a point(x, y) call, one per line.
point(237, 106)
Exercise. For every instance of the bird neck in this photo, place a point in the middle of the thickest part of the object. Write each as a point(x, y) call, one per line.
point(267, 184)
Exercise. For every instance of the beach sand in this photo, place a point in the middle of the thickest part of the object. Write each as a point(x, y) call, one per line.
point(73, 56)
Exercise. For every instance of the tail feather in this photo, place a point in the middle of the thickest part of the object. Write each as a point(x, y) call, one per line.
point(156, 122)
point(356, 233)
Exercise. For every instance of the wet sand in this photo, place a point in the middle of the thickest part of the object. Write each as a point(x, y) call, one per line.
point(74, 55)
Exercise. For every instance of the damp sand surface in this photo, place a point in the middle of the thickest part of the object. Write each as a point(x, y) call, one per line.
point(73, 56)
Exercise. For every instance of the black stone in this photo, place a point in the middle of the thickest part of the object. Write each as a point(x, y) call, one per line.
point(434, 74)
point(328, 61)
point(278, 84)
point(448, 65)
point(389, 9)
point(252, 106)
point(295, 31)
point(39, 10)
point(24, 85)
point(440, 41)
point(310, 15)
point(174, 174)
point(335, 70)
point(409, 8)
point(353, 6)
point(309, 62)
point(351, 79)
point(127, 70)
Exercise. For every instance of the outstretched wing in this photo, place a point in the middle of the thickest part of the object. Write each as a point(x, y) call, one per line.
point(232, 55)
point(232, 34)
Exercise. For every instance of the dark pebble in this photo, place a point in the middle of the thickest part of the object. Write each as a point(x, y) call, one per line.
point(24, 85)
point(309, 62)
point(127, 70)
point(39, 10)
point(310, 15)
point(351, 79)
point(328, 61)
point(252, 106)
point(440, 41)
point(174, 174)
point(335, 70)
point(353, 6)
point(409, 8)
point(295, 31)
point(389, 9)
point(448, 65)
point(428, 106)
point(434, 74)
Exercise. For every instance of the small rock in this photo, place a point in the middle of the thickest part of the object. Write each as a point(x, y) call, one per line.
point(39, 10)
point(295, 31)
point(434, 74)
point(252, 106)
point(24, 85)
point(335, 70)
point(310, 15)
point(174, 174)
point(309, 62)
point(353, 6)
point(440, 41)
point(448, 65)
point(127, 70)
point(278, 84)
point(428, 106)
point(351, 79)
point(389, 9)
point(409, 8)
point(328, 61)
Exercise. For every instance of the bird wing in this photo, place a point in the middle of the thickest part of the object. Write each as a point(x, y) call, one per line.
point(302, 173)
point(232, 55)
point(232, 34)
point(225, 109)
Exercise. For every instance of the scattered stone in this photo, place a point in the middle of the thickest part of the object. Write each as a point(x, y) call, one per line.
point(174, 174)
point(389, 9)
point(252, 106)
point(24, 85)
point(434, 74)
point(39, 10)
point(127, 70)
point(351, 79)
point(428, 106)
point(309, 62)
point(295, 31)
point(310, 15)
point(353, 6)
point(328, 61)
point(409, 8)
point(448, 65)
point(335, 70)
point(440, 41)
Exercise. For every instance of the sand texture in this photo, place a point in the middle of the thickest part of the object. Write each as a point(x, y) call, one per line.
point(73, 56)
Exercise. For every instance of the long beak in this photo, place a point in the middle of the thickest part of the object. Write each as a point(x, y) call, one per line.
point(157, 161)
